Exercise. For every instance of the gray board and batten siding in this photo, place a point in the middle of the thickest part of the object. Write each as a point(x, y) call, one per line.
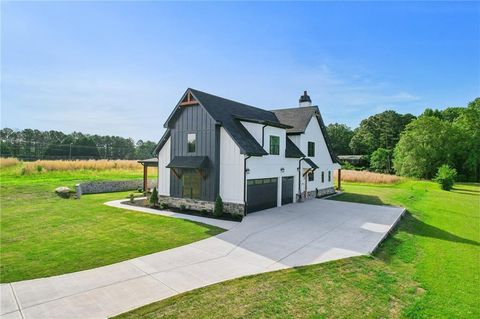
point(195, 119)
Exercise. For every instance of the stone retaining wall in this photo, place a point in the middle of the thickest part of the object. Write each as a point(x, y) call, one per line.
point(111, 186)
point(198, 205)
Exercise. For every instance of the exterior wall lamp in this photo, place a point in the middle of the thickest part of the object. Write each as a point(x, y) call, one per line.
point(282, 170)
point(247, 170)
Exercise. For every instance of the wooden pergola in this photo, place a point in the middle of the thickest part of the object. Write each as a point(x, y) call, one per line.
point(146, 163)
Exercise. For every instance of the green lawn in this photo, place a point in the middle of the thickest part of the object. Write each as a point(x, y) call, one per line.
point(44, 235)
point(429, 268)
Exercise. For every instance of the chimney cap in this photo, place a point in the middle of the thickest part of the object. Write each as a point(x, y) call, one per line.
point(305, 97)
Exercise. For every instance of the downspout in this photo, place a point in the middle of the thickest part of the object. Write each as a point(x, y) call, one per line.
point(263, 134)
point(245, 185)
point(300, 179)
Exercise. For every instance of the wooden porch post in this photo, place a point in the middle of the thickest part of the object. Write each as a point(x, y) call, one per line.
point(339, 182)
point(145, 177)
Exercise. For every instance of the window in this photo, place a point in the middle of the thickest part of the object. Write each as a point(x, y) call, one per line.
point(274, 145)
point(311, 149)
point(191, 183)
point(329, 176)
point(323, 177)
point(311, 176)
point(191, 142)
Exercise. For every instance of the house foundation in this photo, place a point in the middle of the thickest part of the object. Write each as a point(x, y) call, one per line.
point(198, 205)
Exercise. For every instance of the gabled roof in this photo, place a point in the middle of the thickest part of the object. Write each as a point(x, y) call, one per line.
point(299, 117)
point(228, 114)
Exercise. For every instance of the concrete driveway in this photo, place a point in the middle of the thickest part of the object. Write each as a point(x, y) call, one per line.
point(293, 235)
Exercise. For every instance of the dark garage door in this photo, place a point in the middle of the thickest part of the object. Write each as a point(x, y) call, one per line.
point(261, 194)
point(287, 190)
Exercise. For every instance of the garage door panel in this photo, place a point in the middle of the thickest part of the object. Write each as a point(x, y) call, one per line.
point(287, 190)
point(261, 194)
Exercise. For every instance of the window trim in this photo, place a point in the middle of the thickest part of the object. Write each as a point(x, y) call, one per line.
point(329, 176)
point(278, 145)
point(194, 143)
point(323, 177)
point(313, 149)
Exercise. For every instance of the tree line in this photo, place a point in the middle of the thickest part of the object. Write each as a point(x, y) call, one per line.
point(31, 144)
point(415, 146)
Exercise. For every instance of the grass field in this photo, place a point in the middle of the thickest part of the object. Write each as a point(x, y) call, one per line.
point(429, 268)
point(44, 235)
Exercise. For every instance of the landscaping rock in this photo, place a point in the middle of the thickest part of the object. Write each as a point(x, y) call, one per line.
point(63, 191)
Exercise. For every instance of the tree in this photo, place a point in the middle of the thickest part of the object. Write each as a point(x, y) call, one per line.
point(468, 123)
point(154, 197)
point(218, 209)
point(380, 130)
point(144, 150)
point(425, 145)
point(340, 136)
point(381, 160)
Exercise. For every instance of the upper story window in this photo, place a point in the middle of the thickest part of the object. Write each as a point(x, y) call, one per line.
point(191, 142)
point(329, 176)
point(311, 149)
point(274, 145)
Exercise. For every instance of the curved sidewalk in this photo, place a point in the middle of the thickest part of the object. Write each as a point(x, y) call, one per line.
point(293, 235)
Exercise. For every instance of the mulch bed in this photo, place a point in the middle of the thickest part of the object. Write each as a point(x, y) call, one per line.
point(141, 203)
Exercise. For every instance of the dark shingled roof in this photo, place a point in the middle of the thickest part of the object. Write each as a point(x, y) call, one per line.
point(311, 163)
point(228, 113)
point(292, 151)
point(299, 117)
point(188, 162)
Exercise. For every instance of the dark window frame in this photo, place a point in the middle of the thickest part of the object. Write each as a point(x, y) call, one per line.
point(311, 176)
point(329, 176)
point(311, 149)
point(274, 148)
point(191, 145)
point(323, 177)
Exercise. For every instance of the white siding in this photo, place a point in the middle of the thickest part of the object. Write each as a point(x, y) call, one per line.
point(231, 169)
point(163, 172)
point(322, 158)
point(271, 165)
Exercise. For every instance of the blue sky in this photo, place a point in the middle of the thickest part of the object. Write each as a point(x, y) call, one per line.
point(119, 68)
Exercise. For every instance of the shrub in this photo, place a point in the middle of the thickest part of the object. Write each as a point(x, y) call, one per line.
point(204, 212)
point(39, 168)
point(446, 177)
point(154, 197)
point(140, 190)
point(163, 205)
point(132, 198)
point(183, 207)
point(218, 210)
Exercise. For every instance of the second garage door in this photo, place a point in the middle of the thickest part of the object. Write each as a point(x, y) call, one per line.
point(261, 194)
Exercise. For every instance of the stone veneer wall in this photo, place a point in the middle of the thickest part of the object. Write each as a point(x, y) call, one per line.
point(196, 204)
point(111, 186)
point(325, 192)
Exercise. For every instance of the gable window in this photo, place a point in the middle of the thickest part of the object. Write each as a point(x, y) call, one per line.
point(274, 145)
point(191, 183)
point(323, 177)
point(311, 149)
point(191, 142)
point(311, 176)
point(329, 176)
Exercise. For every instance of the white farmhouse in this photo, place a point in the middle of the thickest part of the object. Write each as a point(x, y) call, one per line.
point(253, 158)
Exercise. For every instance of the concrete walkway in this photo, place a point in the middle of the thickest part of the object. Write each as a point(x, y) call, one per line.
point(298, 234)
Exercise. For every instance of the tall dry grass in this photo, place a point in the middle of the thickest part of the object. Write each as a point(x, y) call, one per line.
point(367, 177)
point(8, 161)
point(100, 165)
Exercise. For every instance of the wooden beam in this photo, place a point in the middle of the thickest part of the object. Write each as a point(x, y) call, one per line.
point(188, 103)
point(175, 173)
point(145, 177)
point(339, 181)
